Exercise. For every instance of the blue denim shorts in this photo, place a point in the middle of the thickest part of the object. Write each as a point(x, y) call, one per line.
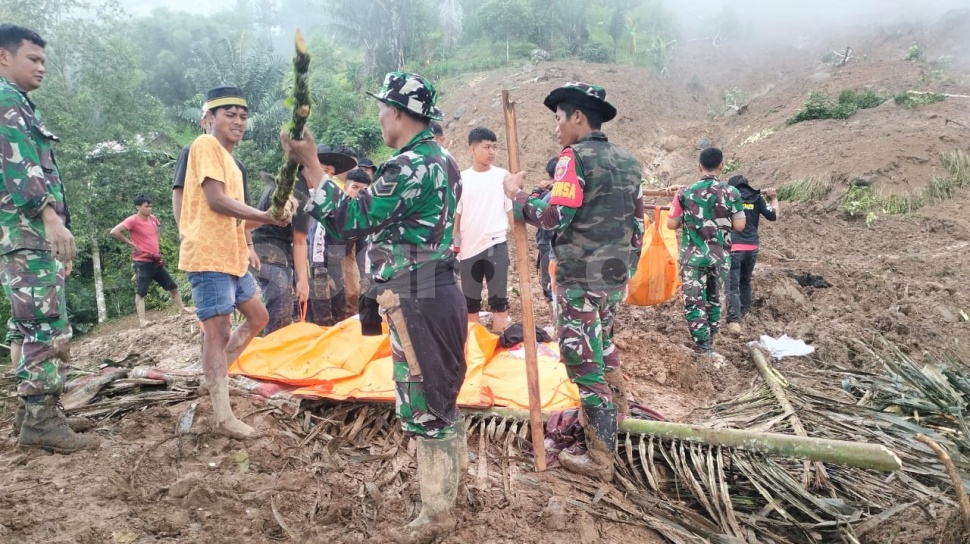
point(216, 293)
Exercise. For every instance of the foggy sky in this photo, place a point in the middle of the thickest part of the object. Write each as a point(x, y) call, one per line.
point(782, 12)
point(765, 18)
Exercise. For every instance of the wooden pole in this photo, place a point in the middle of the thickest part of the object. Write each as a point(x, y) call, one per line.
point(825, 450)
point(525, 294)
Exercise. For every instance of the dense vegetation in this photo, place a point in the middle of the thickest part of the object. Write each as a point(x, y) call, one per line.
point(124, 92)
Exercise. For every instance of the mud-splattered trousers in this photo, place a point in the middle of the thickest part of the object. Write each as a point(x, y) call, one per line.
point(702, 286)
point(586, 347)
point(427, 347)
point(33, 282)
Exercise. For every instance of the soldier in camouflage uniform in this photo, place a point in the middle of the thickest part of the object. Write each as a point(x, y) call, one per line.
point(707, 210)
point(35, 244)
point(407, 214)
point(596, 209)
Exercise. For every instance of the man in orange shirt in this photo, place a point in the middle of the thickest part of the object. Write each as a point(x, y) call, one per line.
point(215, 252)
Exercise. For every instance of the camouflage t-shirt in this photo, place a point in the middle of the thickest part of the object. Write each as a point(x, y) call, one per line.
point(706, 209)
point(30, 178)
point(408, 211)
point(596, 209)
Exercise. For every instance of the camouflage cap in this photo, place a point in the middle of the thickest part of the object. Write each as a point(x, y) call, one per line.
point(592, 97)
point(410, 92)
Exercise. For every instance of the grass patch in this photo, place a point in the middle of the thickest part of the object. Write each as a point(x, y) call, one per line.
point(821, 106)
point(804, 190)
point(863, 202)
point(915, 99)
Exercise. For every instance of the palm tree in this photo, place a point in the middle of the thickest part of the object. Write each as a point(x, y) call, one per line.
point(251, 66)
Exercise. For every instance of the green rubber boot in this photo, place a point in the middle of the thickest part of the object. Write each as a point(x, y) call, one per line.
point(438, 473)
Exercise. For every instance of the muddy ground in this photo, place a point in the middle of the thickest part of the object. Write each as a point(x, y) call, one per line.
point(903, 278)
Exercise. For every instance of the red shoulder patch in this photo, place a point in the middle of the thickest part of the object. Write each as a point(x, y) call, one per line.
point(567, 190)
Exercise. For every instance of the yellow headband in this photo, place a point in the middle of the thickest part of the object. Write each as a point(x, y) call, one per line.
point(226, 101)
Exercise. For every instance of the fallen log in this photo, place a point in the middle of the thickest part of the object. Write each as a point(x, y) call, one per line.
point(836, 452)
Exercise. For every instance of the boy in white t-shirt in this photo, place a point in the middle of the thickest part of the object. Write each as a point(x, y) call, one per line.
point(482, 221)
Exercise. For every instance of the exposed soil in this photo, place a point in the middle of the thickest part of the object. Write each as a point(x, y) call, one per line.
point(903, 278)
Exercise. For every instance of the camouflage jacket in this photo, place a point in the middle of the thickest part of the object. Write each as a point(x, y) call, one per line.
point(30, 178)
point(706, 210)
point(408, 211)
point(596, 209)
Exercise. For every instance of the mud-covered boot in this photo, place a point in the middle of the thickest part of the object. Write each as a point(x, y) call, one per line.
point(46, 427)
point(461, 434)
point(18, 418)
point(597, 462)
point(438, 475)
point(621, 396)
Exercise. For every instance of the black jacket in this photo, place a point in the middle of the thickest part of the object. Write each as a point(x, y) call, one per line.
point(754, 207)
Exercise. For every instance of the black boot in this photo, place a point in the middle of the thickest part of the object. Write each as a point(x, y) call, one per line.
point(621, 396)
point(597, 462)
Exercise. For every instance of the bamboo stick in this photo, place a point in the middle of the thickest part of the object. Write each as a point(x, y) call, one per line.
point(300, 103)
point(525, 294)
point(836, 452)
point(658, 192)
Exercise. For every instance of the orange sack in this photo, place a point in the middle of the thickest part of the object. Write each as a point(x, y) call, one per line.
point(657, 277)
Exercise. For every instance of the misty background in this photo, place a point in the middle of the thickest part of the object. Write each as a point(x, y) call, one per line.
point(125, 80)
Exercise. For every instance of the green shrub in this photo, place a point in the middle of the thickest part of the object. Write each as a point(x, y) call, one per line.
point(820, 106)
point(914, 99)
point(864, 100)
point(597, 52)
point(731, 166)
point(861, 202)
point(916, 53)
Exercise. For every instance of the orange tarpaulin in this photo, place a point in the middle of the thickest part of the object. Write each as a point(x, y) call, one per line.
point(340, 363)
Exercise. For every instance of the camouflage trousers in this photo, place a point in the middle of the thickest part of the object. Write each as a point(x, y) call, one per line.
point(586, 347)
point(33, 282)
point(702, 286)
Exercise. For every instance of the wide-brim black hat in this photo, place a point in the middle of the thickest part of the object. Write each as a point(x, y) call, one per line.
point(340, 162)
point(584, 95)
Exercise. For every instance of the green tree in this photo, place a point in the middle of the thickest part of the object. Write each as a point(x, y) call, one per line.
point(506, 20)
point(391, 33)
point(167, 41)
